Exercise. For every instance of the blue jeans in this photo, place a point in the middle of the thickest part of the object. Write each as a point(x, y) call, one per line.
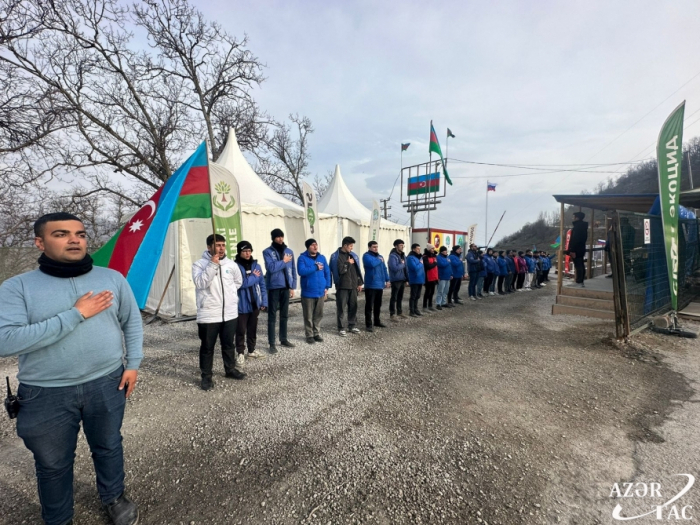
point(48, 422)
point(473, 278)
point(443, 287)
point(479, 284)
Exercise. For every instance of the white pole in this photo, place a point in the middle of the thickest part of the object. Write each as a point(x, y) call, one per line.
point(486, 222)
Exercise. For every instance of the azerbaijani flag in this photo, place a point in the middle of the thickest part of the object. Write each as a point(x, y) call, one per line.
point(424, 184)
point(434, 147)
point(405, 146)
point(556, 243)
point(135, 249)
point(490, 186)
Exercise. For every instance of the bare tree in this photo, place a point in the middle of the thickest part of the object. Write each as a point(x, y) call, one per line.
point(321, 184)
point(108, 113)
point(284, 161)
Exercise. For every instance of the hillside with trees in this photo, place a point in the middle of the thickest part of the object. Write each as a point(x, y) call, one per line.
point(641, 178)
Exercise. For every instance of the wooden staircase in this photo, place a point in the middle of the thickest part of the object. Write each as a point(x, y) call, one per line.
point(585, 302)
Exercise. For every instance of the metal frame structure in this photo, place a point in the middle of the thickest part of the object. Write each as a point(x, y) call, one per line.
point(427, 201)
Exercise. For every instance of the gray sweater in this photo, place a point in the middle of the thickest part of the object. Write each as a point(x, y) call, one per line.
point(55, 345)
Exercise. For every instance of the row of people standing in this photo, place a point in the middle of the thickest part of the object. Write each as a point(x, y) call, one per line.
point(506, 272)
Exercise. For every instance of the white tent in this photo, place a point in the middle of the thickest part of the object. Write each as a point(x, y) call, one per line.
point(263, 210)
point(354, 218)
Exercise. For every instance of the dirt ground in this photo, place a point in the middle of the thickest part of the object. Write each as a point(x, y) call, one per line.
point(493, 412)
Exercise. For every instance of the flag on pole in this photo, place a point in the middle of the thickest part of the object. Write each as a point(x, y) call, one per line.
point(424, 184)
point(490, 186)
point(450, 134)
point(134, 251)
point(225, 205)
point(405, 146)
point(311, 215)
point(434, 147)
point(556, 243)
point(375, 221)
point(669, 151)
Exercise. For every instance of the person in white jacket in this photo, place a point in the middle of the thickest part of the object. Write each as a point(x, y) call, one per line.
point(217, 280)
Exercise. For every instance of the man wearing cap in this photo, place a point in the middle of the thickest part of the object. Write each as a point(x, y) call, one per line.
point(398, 276)
point(216, 280)
point(315, 278)
point(577, 246)
point(252, 298)
point(345, 267)
point(281, 281)
point(376, 279)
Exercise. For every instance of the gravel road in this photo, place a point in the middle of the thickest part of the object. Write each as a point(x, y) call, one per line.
point(493, 412)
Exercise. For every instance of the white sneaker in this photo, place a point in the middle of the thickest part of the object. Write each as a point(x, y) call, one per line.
point(473, 298)
point(240, 360)
point(543, 284)
point(342, 333)
point(491, 293)
point(355, 330)
point(256, 355)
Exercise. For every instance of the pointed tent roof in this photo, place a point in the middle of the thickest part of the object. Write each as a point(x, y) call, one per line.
point(339, 200)
point(254, 192)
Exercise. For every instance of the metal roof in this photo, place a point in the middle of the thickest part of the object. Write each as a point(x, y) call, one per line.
point(639, 203)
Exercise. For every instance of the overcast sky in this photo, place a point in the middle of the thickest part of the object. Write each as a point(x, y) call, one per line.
point(517, 82)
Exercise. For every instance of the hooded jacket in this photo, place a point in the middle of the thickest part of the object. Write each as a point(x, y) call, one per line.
point(444, 267)
point(416, 270)
point(376, 273)
point(397, 266)
point(457, 266)
point(522, 265)
point(216, 289)
point(530, 264)
point(510, 264)
point(491, 264)
point(430, 263)
point(502, 266)
point(276, 268)
point(314, 281)
point(252, 289)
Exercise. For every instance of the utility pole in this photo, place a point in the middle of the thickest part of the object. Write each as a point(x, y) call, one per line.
point(385, 207)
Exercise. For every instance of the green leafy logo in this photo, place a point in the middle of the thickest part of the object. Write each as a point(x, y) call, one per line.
point(223, 190)
point(311, 216)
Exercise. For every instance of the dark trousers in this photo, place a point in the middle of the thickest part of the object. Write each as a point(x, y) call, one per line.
point(48, 423)
point(415, 297)
point(453, 293)
point(208, 334)
point(546, 275)
point(520, 281)
point(579, 268)
point(346, 301)
point(473, 278)
point(312, 308)
point(277, 301)
point(487, 282)
point(247, 329)
point(501, 279)
point(429, 293)
point(373, 306)
point(397, 288)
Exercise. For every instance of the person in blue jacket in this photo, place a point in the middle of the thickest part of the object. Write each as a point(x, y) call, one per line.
point(502, 271)
point(530, 276)
point(473, 268)
point(398, 275)
point(416, 278)
point(481, 276)
point(491, 268)
point(281, 281)
point(315, 276)
point(444, 277)
point(376, 279)
point(457, 274)
point(252, 299)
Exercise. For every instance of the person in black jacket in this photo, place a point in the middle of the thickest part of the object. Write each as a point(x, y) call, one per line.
point(577, 245)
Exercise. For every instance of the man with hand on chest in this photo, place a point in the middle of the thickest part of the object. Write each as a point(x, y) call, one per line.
point(78, 333)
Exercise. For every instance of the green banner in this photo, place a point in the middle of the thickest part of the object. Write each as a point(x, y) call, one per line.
point(669, 151)
point(225, 206)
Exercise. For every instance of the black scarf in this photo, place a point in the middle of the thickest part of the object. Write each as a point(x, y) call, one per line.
point(65, 270)
point(280, 249)
point(247, 264)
